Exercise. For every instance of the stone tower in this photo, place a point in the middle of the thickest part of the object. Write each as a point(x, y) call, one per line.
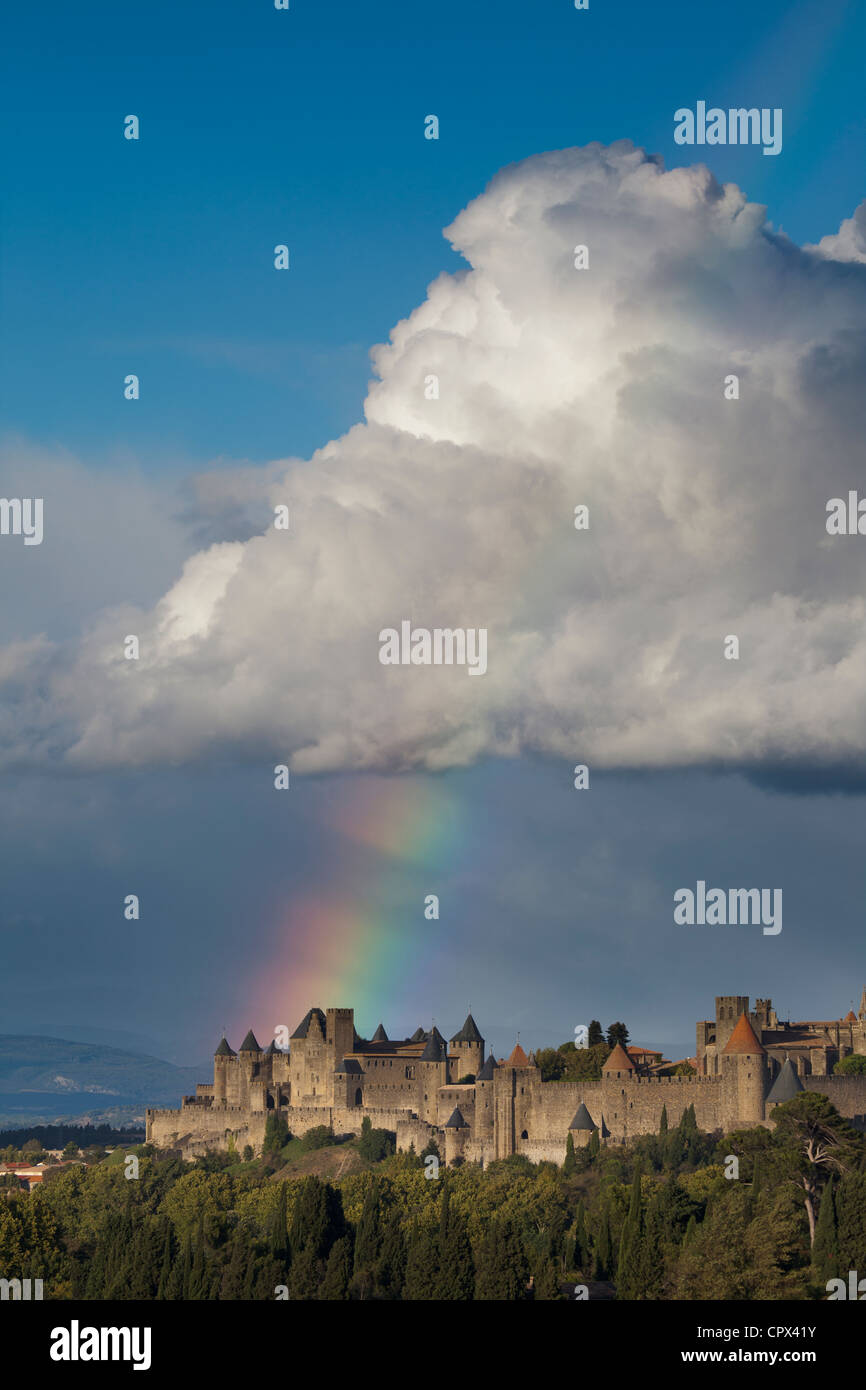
point(456, 1134)
point(220, 1072)
point(485, 1108)
point(729, 1007)
point(744, 1076)
point(432, 1068)
point(469, 1046)
point(513, 1085)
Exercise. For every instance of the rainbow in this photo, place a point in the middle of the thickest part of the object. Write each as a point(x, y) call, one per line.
point(361, 942)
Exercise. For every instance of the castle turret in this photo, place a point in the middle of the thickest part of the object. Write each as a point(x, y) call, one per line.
point(250, 1073)
point(220, 1073)
point(581, 1127)
point(744, 1069)
point(513, 1088)
point(456, 1134)
point(786, 1085)
point(484, 1103)
point(433, 1073)
point(469, 1047)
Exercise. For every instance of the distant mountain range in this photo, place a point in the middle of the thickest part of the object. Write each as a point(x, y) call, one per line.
point(44, 1080)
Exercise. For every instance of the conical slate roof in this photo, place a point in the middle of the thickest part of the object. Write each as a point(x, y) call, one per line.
point(303, 1027)
point(272, 1049)
point(249, 1043)
point(619, 1060)
point(468, 1033)
point(583, 1119)
point(380, 1035)
point(434, 1050)
point(486, 1072)
point(456, 1122)
point(743, 1040)
point(518, 1057)
point(418, 1036)
point(224, 1050)
point(786, 1085)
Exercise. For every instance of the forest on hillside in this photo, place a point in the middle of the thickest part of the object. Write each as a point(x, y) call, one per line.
point(756, 1214)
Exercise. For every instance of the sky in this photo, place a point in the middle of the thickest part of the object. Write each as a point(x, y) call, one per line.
point(155, 256)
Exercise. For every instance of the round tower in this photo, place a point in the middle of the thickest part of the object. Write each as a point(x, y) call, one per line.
point(220, 1074)
point(745, 1073)
point(456, 1134)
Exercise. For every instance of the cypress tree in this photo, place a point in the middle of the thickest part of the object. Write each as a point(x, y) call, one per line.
point(546, 1285)
point(604, 1246)
point(456, 1279)
point(663, 1122)
point(391, 1271)
point(851, 1223)
point(422, 1266)
point(197, 1288)
point(279, 1233)
point(234, 1274)
point(168, 1249)
point(335, 1285)
point(368, 1237)
point(594, 1145)
point(570, 1164)
point(825, 1250)
point(581, 1241)
point(628, 1268)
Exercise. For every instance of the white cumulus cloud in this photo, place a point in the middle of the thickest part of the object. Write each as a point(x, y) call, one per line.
point(557, 387)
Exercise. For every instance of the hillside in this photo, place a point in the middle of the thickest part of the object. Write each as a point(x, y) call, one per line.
point(44, 1079)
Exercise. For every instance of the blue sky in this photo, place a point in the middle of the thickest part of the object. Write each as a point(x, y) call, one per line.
point(305, 127)
point(260, 127)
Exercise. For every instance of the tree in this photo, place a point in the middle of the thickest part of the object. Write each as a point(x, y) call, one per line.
point(629, 1282)
point(391, 1272)
point(596, 1035)
point(853, 1065)
point(851, 1224)
point(279, 1232)
point(617, 1033)
point(550, 1063)
point(368, 1242)
point(335, 1285)
point(825, 1247)
point(375, 1144)
point(456, 1279)
point(569, 1165)
point(422, 1266)
point(502, 1269)
point(817, 1142)
point(276, 1133)
point(235, 1271)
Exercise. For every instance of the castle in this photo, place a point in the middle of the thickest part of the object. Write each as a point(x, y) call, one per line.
point(477, 1109)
